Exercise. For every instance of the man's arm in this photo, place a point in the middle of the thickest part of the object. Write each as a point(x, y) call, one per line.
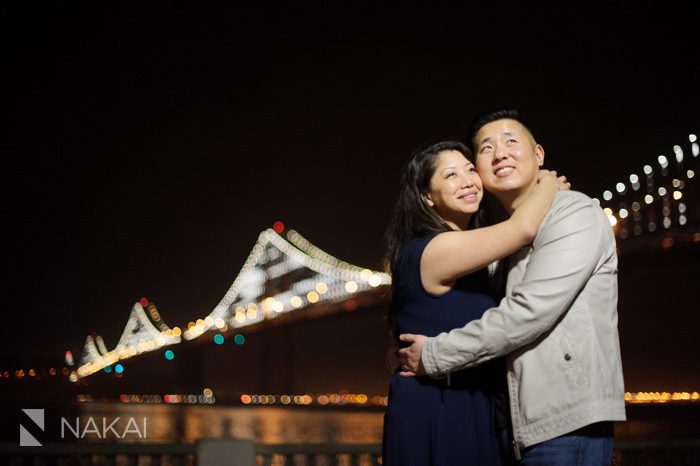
point(565, 254)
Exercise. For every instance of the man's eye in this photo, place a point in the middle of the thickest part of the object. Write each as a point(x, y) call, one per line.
point(511, 141)
point(485, 148)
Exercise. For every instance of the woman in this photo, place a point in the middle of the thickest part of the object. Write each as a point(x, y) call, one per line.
point(438, 260)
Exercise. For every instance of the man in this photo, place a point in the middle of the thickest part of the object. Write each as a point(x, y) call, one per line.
point(558, 322)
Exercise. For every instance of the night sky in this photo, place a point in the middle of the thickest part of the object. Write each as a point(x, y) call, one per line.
point(146, 147)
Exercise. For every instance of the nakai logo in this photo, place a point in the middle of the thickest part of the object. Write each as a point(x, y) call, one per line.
point(99, 427)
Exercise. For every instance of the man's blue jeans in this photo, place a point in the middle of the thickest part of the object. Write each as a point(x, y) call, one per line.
point(590, 446)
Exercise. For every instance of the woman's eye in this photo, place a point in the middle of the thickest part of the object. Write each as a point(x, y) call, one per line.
point(450, 175)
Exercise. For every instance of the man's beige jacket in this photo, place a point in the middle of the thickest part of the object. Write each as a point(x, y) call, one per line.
point(557, 325)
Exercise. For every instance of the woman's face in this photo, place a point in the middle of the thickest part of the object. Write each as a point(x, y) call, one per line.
point(455, 189)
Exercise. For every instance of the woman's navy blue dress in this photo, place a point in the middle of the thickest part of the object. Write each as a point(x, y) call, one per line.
point(428, 422)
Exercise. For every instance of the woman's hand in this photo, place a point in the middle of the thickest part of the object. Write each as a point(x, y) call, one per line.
point(551, 175)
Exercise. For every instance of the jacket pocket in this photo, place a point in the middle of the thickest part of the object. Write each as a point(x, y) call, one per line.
point(569, 361)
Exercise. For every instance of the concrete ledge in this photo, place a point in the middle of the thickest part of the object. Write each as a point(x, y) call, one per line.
point(225, 452)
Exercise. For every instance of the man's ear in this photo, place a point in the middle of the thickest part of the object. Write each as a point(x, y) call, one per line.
point(539, 154)
point(427, 199)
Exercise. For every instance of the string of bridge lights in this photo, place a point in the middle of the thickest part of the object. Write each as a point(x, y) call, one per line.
point(661, 187)
point(271, 257)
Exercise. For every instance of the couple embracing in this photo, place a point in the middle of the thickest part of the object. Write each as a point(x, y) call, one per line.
point(529, 373)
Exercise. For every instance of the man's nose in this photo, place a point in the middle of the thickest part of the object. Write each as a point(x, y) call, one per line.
point(499, 153)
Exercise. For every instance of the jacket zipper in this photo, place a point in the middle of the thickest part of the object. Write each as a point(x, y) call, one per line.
point(512, 390)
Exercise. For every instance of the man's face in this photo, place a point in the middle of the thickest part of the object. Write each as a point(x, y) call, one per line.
point(507, 157)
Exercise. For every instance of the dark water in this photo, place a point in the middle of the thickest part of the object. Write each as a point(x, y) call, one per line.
point(187, 424)
point(272, 425)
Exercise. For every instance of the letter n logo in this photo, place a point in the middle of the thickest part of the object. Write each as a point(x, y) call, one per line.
point(25, 438)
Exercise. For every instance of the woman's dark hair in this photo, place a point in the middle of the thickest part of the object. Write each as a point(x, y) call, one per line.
point(413, 217)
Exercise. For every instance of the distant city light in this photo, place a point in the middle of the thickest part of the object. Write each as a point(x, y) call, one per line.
point(663, 397)
point(239, 339)
point(169, 355)
point(648, 170)
point(278, 227)
point(296, 301)
point(321, 287)
point(679, 153)
point(620, 187)
point(118, 368)
point(607, 195)
point(219, 339)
